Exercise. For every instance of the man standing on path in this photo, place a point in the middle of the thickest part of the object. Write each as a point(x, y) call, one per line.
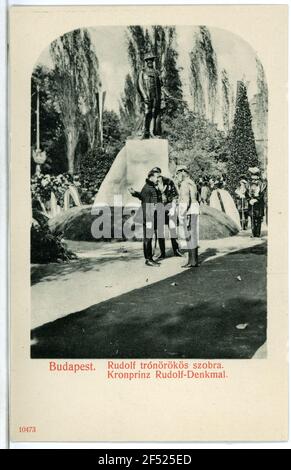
point(149, 204)
point(188, 215)
point(256, 202)
point(167, 196)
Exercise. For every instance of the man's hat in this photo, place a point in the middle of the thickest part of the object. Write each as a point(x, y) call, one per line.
point(157, 169)
point(181, 168)
point(243, 179)
point(149, 56)
point(254, 170)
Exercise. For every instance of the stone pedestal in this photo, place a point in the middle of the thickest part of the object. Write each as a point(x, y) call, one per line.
point(130, 169)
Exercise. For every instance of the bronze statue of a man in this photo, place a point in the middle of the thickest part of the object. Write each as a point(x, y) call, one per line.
point(150, 90)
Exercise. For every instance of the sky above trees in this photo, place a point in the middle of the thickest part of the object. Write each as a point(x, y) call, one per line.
point(233, 54)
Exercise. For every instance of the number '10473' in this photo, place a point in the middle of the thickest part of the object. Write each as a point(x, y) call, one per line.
point(27, 428)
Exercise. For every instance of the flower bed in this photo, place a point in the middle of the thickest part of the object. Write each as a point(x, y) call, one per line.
point(43, 185)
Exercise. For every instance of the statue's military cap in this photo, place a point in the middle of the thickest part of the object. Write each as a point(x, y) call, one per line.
point(149, 56)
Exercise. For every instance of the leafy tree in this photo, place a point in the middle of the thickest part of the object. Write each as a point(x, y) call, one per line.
point(197, 143)
point(138, 43)
point(76, 82)
point(260, 114)
point(262, 88)
point(204, 76)
point(242, 142)
point(129, 106)
point(91, 86)
point(165, 49)
point(226, 100)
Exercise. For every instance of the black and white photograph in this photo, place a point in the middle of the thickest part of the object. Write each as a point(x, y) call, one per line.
point(149, 195)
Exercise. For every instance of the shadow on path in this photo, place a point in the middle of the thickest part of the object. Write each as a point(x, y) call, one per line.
point(197, 317)
point(59, 271)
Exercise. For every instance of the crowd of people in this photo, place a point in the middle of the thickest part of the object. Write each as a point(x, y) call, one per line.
point(250, 198)
point(176, 204)
point(251, 201)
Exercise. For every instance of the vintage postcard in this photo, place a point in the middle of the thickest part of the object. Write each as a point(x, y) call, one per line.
point(148, 223)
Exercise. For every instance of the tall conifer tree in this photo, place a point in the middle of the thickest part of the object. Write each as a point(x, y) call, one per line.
point(243, 152)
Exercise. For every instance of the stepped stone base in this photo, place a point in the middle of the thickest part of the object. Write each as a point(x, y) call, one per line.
point(130, 169)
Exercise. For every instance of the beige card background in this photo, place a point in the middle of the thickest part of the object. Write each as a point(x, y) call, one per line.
point(253, 403)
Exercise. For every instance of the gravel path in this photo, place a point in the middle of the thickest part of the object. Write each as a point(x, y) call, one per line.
point(104, 271)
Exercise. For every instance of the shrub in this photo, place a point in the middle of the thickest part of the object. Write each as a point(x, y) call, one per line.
point(47, 247)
